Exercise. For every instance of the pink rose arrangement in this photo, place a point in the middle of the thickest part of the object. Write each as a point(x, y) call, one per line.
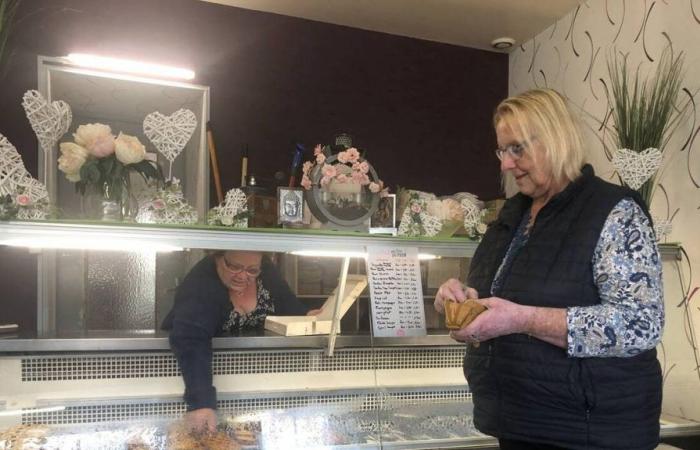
point(346, 167)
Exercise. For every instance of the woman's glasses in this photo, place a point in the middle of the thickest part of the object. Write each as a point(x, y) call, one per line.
point(235, 268)
point(515, 151)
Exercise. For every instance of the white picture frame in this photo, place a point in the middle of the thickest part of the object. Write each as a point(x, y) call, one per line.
point(290, 205)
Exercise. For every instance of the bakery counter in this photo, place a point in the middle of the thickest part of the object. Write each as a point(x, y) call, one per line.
point(146, 340)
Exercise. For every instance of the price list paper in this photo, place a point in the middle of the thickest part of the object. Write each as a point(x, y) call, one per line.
point(396, 291)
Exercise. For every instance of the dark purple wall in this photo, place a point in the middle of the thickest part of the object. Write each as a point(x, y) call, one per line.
point(420, 109)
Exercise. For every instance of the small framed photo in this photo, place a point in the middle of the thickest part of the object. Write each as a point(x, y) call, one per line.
point(291, 205)
point(383, 221)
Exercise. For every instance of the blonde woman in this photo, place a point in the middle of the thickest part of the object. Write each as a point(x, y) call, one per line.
point(571, 276)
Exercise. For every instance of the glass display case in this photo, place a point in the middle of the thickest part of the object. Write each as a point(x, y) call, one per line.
point(101, 375)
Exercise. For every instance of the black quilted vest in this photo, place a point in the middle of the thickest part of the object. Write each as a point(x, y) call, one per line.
point(526, 389)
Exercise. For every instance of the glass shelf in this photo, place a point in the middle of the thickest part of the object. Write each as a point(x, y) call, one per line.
point(202, 237)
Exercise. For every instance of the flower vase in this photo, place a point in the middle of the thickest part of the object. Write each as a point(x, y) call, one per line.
point(117, 207)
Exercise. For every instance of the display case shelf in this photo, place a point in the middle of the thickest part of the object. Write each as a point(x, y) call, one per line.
point(260, 239)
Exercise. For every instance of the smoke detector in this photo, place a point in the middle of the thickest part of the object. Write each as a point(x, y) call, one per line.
point(503, 43)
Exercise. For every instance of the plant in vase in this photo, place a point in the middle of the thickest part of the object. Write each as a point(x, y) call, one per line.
point(343, 187)
point(644, 115)
point(99, 161)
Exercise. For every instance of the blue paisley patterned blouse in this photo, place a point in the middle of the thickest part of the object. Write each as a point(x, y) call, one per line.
point(627, 272)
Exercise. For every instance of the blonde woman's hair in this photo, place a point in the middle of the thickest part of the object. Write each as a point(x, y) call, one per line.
point(545, 115)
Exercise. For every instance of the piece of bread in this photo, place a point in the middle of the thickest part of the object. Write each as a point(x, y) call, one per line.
point(459, 315)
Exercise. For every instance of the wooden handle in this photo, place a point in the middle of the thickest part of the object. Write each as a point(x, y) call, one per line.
point(214, 164)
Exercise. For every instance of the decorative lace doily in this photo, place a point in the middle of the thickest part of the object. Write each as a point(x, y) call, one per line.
point(50, 121)
point(170, 134)
point(233, 212)
point(167, 205)
point(635, 168)
point(29, 196)
point(416, 221)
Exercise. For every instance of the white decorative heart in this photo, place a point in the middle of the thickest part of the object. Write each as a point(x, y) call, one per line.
point(50, 121)
point(13, 176)
point(235, 203)
point(635, 168)
point(170, 134)
point(662, 227)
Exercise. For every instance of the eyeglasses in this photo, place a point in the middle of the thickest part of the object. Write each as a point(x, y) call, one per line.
point(235, 268)
point(515, 151)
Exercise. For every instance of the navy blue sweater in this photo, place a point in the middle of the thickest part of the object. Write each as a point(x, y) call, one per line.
point(201, 308)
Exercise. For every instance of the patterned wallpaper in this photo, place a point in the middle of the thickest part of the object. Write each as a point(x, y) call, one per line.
point(570, 56)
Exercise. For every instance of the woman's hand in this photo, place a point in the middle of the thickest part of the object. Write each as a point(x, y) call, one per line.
point(502, 317)
point(203, 419)
point(455, 290)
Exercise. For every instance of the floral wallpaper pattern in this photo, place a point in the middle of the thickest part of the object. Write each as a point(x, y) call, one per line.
point(571, 56)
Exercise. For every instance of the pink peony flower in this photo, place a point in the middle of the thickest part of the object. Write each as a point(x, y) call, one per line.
point(374, 187)
point(317, 150)
point(23, 200)
point(341, 178)
point(364, 167)
point(320, 158)
point(329, 171)
point(360, 178)
point(96, 138)
point(158, 204)
point(343, 157)
point(306, 182)
point(352, 155)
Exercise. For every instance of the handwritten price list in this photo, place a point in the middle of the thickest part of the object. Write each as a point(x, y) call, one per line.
point(396, 291)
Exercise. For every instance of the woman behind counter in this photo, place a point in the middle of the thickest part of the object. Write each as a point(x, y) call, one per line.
point(571, 276)
point(223, 293)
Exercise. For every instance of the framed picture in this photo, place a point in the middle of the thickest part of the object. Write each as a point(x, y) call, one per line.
point(384, 218)
point(291, 205)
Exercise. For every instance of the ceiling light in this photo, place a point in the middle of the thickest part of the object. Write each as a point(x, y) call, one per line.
point(127, 66)
point(503, 43)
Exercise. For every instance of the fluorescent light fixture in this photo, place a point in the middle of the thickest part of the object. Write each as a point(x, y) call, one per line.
point(91, 243)
point(331, 253)
point(18, 412)
point(349, 254)
point(127, 66)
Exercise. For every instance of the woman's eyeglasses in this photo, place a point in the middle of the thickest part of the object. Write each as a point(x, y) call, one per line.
point(515, 151)
point(236, 268)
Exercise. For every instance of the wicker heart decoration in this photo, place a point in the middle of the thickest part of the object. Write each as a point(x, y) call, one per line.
point(635, 168)
point(170, 134)
point(50, 121)
point(14, 179)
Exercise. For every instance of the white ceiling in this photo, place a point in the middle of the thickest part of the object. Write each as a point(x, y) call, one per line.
point(469, 23)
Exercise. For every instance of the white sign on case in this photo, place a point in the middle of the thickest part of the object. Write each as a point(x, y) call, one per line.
point(170, 134)
point(396, 291)
point(14, 178)
point(50, 121)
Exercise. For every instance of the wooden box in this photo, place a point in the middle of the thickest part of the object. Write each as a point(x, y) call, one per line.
point(263, 211)
point(320, 323)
